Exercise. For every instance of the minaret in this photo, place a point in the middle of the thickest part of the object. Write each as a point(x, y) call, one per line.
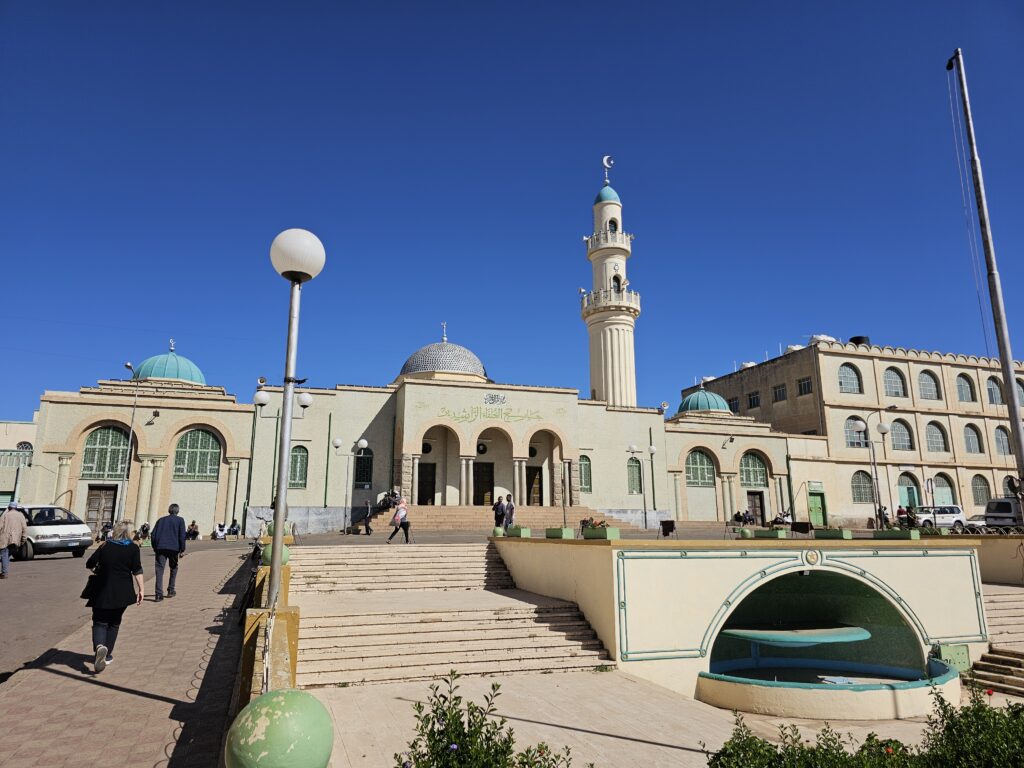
point(610, 310)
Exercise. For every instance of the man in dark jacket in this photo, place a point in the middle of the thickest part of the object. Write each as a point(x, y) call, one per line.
point(168, 540)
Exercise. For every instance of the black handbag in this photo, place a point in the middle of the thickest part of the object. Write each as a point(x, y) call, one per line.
point(92, 586)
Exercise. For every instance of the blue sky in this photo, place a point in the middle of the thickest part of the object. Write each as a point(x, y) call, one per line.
point(787, 169)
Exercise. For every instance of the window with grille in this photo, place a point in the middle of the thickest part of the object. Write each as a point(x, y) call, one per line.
point(734, 404)
point(928, 386)
point(964, 388)
point(863, 490)
point(700, 469)
point(1002, 441)
point(634, 476)
point(24, 446)
point(1020, 395)
point(895, 384)
point(935, 438)
point(942, 487)
point(753, 472)
point(585, 478)
point(849, 379)
point(778, 393)
point(902, 437)
point(855, 439)
point(364, 469)
point(972, 440)
point(980, 490)
point(197, 456)
point(803, 386)
point(995, 391)
point(753, 399)
point(105, 455)
point(298, 467)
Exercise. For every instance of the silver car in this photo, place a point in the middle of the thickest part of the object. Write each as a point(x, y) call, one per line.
point(53, 529)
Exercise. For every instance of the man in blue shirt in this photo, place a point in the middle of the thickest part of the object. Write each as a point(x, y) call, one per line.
point(168, 540)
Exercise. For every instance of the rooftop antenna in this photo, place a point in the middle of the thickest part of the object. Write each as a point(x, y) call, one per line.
point(607, 162)
point(172, 345)
point(444, 331)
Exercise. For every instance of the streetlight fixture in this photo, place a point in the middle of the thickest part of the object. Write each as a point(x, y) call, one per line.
point(654, 497)
point(633, 450)
point(361, 443)
point(119, 513)
point(861, 427)
point(298, 256)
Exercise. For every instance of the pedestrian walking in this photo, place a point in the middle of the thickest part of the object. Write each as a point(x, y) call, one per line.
point(510, 513)
point(13, 527)
point(400, 521)
point(499, 512)
point(116, 583)
point(168, 539)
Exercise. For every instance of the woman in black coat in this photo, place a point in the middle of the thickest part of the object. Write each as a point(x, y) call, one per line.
point(117, 563)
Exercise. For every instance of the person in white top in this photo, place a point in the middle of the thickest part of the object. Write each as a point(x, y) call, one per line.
point(400, 521)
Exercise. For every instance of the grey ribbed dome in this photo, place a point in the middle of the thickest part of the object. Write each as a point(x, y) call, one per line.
point(444, 356)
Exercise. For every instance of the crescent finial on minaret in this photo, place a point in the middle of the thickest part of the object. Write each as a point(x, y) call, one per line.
point(607, 162)
point(444, 331)
point(172, 345)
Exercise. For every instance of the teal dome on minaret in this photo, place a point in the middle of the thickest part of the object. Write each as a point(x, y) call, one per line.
point(169, 366)
point(607, 194)
point(702, 400)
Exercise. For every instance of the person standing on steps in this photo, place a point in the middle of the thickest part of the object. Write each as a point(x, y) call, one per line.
point(400, 521)
point(13, 528)
point(168, 539)
point(510, 513)
point(117, 564)
point(499, 512)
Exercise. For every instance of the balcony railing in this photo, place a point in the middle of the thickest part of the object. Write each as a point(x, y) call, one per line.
point(12, 459)
point(606, 237)
point(610, 299)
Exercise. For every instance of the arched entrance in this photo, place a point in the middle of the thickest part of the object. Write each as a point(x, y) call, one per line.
point(543, 486)
point(492, 467)
point(910, 491)
point(437, 471)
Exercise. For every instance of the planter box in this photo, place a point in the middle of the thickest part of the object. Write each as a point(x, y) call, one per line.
point(763, 533)
point(832, 533)
point(935, 532)
point(559, 533)
point(600, 533)
point(498, 532)
point(517, 532)
point(911, 534)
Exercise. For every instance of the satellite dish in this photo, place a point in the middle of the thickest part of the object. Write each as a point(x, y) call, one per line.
point(607, 162)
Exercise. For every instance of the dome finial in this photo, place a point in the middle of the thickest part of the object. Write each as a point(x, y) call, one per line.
point(444, 332)
point(607, 162)
point(172, 345)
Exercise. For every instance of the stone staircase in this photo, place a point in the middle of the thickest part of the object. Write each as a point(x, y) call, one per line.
point(1002, 668)
point(377, 614)
point(463, 518)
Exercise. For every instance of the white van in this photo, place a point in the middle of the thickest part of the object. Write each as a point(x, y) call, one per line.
point(1003, 513)
point(53, 529)
point(946, 516)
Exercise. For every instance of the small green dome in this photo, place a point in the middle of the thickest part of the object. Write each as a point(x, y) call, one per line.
point(169, 366)
point(607, 194)
point(702, 400)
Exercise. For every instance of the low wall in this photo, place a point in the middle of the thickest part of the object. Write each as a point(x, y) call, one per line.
point(307, 520)
point(1001, 558)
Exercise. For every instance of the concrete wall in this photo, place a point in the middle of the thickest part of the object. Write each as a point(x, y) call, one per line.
point(1002, 559)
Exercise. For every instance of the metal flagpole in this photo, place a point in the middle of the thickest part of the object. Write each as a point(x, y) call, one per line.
point(995, 288)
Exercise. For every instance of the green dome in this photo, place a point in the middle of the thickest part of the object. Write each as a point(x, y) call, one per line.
point(607, 194)
point(702, 400)
point(169, 366)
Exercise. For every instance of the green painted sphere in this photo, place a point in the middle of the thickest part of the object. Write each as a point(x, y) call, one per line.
point(265, 557)
point(270, 528)
point(281, 729)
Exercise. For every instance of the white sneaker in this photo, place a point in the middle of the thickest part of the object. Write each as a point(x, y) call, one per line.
point(100, 662)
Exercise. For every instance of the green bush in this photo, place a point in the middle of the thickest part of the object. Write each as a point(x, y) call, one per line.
point(975, 735)
point(453, 733)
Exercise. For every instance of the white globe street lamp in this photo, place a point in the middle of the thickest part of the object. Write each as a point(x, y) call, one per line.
point(261, 398)
point(860, 426)
point(297, 255)
point(304, 400)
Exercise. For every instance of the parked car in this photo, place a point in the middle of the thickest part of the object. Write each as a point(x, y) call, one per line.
point(53, 529)
point(1003, 513)
point(946, 516)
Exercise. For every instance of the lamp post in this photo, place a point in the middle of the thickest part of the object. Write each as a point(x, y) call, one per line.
point(633, 451)
point(883, 429)
point(119, 513)
point(360, 444)
point(654, 492)
point(298, 256)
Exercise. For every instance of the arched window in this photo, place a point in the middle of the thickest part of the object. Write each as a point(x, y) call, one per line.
point(617, 283)
point(909, 490)
point(895, 384)
point(965, 388)
point(585, 478)
point(24, 446)
point(106, 452)
point(298, 468)
point(855, 439)
point(902, 437)
point(929, 386)
point(849, 379)
point(753, 472)
point(863, 490)
point(1020, 391)
point(972, 439)
point(634, 476)
point(197, 456)
point(700, 469)
point(613, 225)
point(981, 490)
point(942, 489)
point(1002, 441)
point(995, 391)
point(1007, 491)
point(364, 469)
point(935, 438)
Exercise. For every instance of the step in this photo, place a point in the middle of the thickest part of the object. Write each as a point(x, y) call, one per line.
point(999, 669)
point(992, 680)
point(380, 637)
point(398, 659)
point(423, 648)
point(447, 587)
point(1006, 661)
point(485, 624)
point(999, 650)
point(358, 619)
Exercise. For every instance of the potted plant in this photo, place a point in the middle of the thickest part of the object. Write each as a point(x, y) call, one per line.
point(775, 532)
point(559, 533)
point(833, 533)
point(518, 532)
point(593, 529)
point(897, 533)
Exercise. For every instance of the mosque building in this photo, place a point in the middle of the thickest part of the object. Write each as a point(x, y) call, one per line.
point(446, 436)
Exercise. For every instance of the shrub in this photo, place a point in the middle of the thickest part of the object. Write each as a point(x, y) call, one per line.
point(454, 733)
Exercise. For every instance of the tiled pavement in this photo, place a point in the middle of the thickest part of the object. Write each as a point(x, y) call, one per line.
point(164, 700)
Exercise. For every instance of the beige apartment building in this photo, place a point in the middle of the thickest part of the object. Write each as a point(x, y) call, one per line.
point(948, 440)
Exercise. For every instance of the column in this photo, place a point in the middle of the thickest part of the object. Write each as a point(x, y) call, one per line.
point(145, 488)
point(730, 498)
point(462, 482)
point(469, 485)
point(63, 472)
point(523, 490)
point(414, 497)
point(406, 479)
point(574, 482)
point(154, 493)
point(515, 481)
point(556, 484)
point(229, 502)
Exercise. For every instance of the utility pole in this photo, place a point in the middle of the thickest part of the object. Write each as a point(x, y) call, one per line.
point(995, 288)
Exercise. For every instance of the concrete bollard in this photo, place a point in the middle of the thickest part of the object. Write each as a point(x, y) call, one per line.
point(281, 729)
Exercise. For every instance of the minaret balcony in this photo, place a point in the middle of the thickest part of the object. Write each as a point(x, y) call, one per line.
point(610, 300)
point(608, 239)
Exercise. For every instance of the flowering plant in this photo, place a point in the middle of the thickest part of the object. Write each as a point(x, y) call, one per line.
point(589, 522)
